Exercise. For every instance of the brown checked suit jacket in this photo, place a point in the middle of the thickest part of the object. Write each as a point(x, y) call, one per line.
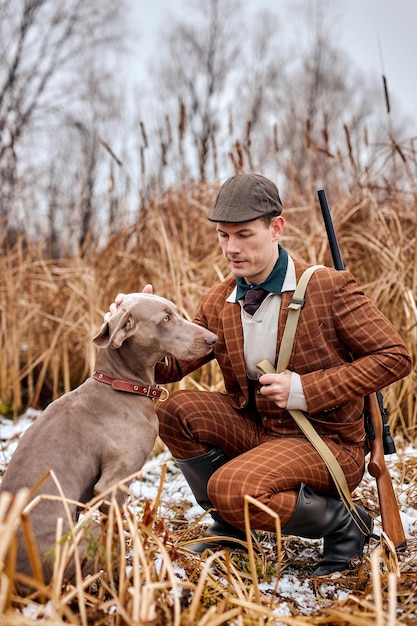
point(336, 322)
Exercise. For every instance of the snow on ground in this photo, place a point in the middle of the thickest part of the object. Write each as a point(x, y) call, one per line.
point(177, 501)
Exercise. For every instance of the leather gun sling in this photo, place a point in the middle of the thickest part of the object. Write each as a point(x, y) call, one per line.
point(294, 310)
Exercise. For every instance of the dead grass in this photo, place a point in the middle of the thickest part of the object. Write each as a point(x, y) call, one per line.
point(50, 311)
point(155, 579)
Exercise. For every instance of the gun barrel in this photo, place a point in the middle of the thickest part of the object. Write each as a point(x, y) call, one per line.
point(331, 235)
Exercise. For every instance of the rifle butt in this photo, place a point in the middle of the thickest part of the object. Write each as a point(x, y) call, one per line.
point(388, 505)
point(390, 515)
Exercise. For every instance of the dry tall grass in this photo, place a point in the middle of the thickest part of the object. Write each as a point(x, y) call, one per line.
point(155, 580)
point(51, 309)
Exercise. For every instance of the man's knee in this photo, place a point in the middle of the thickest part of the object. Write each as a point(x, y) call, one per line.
point(227, 496)
point(228, 489)
point(168, 413)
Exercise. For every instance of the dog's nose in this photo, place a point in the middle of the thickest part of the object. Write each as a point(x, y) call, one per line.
point(211, 339)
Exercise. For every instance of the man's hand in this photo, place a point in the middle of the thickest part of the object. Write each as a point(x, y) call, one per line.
point(119, 299)
point(277, 387)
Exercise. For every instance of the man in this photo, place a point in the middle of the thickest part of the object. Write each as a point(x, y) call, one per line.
point(244, 441)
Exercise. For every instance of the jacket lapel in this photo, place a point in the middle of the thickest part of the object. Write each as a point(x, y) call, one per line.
point(233, 336)
point(233, 333)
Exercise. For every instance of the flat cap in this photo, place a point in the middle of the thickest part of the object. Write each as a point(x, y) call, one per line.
point(244, 198)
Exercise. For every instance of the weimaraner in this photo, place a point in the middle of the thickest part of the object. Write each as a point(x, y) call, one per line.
point(102, 432)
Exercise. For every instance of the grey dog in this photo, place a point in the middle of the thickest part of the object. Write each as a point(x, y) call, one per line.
point(102, 432)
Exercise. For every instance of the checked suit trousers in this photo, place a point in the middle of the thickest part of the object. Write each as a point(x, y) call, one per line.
point(264, 465)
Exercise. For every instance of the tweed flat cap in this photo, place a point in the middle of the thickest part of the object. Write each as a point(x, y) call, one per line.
point(244, 198)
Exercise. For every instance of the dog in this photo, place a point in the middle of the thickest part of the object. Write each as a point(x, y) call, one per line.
point(102, 432)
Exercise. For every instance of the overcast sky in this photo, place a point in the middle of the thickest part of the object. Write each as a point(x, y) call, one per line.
point(390, 26)
point(379, 35)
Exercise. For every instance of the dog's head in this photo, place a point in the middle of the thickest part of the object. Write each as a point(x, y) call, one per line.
point(155, 323)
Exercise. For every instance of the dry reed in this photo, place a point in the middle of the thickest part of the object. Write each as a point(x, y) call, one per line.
point(50, 311)
point(156, 580)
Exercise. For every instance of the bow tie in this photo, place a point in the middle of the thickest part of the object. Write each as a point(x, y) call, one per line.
point(254, 299)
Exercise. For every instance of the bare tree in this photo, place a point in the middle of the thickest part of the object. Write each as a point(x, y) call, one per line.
point(262, 94)
point(331, 107)
point(49, 53)
point(197, 67)
point(277, 94)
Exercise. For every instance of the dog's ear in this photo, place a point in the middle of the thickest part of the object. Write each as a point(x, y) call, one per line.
point(115, 331)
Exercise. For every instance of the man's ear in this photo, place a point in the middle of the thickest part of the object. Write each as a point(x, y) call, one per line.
point(277, 224)
point(115, 331)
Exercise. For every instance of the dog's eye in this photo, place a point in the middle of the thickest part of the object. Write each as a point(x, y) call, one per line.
point(166, 318)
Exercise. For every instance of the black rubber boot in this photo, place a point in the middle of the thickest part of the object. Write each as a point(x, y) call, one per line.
point(197, 472)
point(317, 515)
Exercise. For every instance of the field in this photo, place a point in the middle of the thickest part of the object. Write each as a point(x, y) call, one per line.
point(52, 308)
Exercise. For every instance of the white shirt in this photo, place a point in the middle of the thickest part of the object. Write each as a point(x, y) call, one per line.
point(260, 337)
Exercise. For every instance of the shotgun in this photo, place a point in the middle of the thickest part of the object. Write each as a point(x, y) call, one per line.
point(377, 427)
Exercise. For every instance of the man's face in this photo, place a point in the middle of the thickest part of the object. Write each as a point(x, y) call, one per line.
point(251, 248)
